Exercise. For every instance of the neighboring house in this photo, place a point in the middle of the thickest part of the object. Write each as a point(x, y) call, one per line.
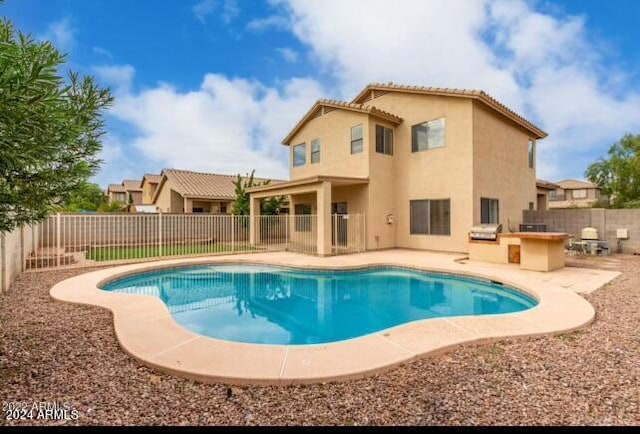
point(128, 192)
point(117, 193)
point(423, 164)
point(543, 189)
point(572, 193)
point(149, 185)
point(185, 191)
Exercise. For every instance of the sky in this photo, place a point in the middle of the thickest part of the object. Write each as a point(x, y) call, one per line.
point(214, 85)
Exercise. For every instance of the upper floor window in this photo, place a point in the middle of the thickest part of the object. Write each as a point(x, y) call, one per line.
point(489, 211)
point(356, 139)
point(299, 154)
point(384, 140)
point(579, 194)
point(315, 151)
point(430, 217)
point(427, 135)
point(532, 151)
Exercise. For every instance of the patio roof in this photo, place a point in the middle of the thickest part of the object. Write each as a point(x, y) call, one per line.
point(335, 180)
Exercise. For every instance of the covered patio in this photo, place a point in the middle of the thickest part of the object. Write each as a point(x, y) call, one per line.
point(327, 213)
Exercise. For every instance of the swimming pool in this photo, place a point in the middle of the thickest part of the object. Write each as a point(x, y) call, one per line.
point(273, 305)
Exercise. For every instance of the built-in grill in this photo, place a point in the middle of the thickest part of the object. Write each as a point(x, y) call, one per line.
point(486, 232)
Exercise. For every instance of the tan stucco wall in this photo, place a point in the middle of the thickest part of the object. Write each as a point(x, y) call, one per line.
point(501, 167)
point(443, 173)
point(148, 188)
point(136, 197)
point(168, 200)
point(334, 131)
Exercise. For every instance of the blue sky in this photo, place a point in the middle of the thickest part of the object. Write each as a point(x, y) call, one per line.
point(215, 84)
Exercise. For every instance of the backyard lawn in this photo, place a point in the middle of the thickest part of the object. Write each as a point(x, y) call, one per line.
point(119, 253)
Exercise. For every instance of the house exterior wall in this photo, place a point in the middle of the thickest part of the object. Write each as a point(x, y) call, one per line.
point(442, 173)
point(168, 200)
point(136, 197)
point(334, 131)
point(567, 199)
point(148, 188)
point(501, 167)
point(485, 155)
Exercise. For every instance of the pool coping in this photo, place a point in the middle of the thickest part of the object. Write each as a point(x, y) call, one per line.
point(146, 330)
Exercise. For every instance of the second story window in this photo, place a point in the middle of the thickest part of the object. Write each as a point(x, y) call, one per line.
point(532, 152)
point(356, 139)
point(384, 140)
point(427, 135)
point(299, 154)
point(579, 194)
point(315, 151)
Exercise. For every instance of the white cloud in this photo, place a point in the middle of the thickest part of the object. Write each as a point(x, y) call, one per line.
point(203, 9)
point(120, 77)
point(226, 126)
point(276, 22)
point(289, 55)
point(102, 52)
point(61, 33)
point(541, 65)
point(230, 10)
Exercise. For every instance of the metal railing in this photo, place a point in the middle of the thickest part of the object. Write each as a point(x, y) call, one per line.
point(64, 240)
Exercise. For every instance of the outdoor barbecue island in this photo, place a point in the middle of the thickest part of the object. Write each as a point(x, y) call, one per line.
point(538, 251)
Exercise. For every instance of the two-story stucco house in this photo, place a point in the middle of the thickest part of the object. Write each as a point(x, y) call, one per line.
point(572, 193)
point(422, 164)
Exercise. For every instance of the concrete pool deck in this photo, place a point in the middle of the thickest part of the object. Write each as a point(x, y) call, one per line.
point(145, 329)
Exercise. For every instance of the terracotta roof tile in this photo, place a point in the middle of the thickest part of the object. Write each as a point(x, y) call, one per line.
point(116, 188)
point(204, 185)
point(131, 185)
point(574, 183)
point(476, 94)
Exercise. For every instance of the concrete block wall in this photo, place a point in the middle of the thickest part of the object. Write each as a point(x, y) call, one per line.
point(606, 221)
point(15, 246)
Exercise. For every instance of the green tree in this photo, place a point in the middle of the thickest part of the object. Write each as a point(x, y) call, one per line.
point(50, 129)
point(87, 197)
point(241, 205)
point(113, 206)
point(618, 176)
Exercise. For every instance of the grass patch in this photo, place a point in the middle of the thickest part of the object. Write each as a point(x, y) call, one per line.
point(120, 253)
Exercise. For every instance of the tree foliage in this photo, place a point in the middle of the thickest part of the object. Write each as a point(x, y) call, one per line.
point(50, 129)
point(618, 176)
point(241, 205)
point(87, 197)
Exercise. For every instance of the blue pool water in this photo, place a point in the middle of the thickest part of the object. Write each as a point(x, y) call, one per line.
point(272, 305)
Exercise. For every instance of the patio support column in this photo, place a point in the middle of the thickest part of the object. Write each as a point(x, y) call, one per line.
point(254, 220)
point(323, 197)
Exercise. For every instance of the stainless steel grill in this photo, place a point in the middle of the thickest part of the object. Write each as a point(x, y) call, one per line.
point(487, 232)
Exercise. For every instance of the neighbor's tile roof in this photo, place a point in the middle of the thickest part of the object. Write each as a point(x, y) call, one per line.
point(202, 184)
point(152, 178)
point(574, 183)
point(116, 188)
point(132, 184)
point(340, 105)
point(480, 95)
point(541, 183)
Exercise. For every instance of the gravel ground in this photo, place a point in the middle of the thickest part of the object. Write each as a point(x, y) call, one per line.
point(56, 351)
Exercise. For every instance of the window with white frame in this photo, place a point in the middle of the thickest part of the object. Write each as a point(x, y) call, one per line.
point(579, 194)
point(357, 140)
point(428, 135)
point(315, 151)
point(300, 154)
point(532, 153)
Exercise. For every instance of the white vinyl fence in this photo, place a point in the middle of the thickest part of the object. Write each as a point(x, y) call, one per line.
point(65, 240)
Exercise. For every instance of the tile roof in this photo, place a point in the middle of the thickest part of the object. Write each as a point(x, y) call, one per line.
point(341, 105)
point(201, 184)
point(116, 188)
point(152, 178)
point(574, 183)
point(475, 94)
point(132, 184)
point(541, 183)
